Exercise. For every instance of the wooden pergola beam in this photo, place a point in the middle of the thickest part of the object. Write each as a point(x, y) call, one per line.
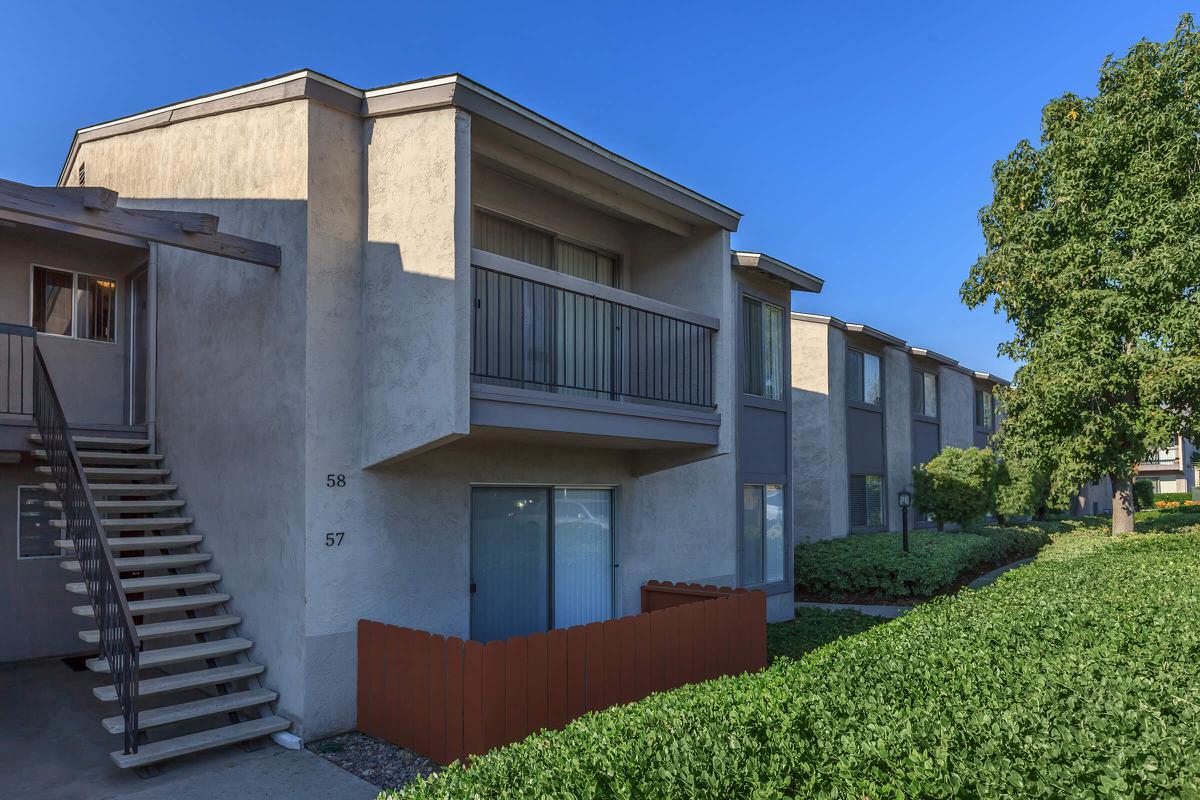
point(95, 208)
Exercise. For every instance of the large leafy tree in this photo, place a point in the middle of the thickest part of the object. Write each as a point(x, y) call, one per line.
point(1093, 253)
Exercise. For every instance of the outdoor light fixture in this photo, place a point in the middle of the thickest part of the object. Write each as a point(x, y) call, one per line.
point(905, 499)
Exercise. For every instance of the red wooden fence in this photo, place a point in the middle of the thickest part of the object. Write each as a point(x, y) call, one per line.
point(657, 595)
point(448, 699)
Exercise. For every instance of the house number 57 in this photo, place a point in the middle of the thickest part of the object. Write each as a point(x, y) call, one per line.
point(334, 539)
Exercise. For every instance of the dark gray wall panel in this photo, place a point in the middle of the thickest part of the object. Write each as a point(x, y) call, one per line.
point(981, 438)
point(864, 441)
point(763, 440)
point(925, 441)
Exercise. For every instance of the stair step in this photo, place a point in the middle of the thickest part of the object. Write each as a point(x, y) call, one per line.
point(104, 442)
point(205, 740)
point(184, 581)
point(135, 523)
point(106, 489)
point(108, 457)
point(178, 627)
point(179, 655)
point(114, 472)
point(126, 506)
point(185, 680)
point(163, 605)
point(142, 542)
point(139, 563)
point(168, 715)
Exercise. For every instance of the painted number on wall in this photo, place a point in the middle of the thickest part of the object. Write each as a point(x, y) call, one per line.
point(335, 481)
point(334, 539)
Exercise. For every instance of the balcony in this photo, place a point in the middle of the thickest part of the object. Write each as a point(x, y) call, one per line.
point(558, 354)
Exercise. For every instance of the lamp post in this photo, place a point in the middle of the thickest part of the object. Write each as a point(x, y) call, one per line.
point(905, 498)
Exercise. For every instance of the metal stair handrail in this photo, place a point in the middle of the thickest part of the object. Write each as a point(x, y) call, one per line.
point(119, 642)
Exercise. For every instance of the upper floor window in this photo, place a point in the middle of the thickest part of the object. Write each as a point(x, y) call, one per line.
point(762, 349)
point(924, 393)
point(985, 411)
point(863, 383)
point(512, 239)
point(74, 304)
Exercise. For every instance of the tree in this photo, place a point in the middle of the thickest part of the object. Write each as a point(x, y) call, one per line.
point(1021, 488)
point(956, 486)
point(1093, 253)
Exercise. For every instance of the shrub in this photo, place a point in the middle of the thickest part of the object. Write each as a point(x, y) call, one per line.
point(1143, 494)
point(1171, 497)
point(1071, 677)
point(872, 564)
point(1021, 489)
point(956, 486)
point(813, 628)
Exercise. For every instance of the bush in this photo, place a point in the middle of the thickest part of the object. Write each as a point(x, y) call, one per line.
point(1143, 494)
point(873, 565)
point(1020, 490)
point(956, 486)
point(1071, 677)
point(813, 628)
point(1170, 497)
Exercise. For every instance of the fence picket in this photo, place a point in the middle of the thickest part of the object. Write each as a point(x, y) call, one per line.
point(452, 699)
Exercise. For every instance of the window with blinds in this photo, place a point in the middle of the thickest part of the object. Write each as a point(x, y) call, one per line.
point(74, 304)
point(866, 502)
point(863, 378)
point(512, 239)
point(762, 349)
point(924, 393)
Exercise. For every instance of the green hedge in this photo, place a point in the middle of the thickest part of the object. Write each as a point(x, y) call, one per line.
point(873, 564)
point(1172, 497)
point(1073, 677)
point(813, 628)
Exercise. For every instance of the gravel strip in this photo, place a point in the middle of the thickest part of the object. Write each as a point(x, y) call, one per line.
point(380, 763)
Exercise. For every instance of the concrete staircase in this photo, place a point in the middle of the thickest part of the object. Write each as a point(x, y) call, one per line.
point(197, 688)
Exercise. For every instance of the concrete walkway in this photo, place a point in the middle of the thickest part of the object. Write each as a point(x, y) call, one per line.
point(52, 747)
point(887, 612)
point(984, 580)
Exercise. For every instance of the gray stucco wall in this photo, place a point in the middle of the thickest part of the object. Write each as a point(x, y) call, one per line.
point(897, 396)
point(957, 408)
point(35, 607)
point(231, 339)
point(819, 467)
point(90, 376)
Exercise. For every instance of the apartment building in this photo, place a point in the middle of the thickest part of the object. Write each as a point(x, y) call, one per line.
point(1171, 470)
point(491, 380)
point(868, 408)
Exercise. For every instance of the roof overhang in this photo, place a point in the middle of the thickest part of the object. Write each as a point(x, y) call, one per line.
point(888, 339)
point(93, 212)
point(442, 91)
point(775, 269)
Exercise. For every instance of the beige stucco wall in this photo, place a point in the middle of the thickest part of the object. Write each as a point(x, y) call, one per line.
point(231, 357)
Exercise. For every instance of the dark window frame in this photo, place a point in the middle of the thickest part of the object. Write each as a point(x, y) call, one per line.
point(554, 236)
point(37, 320)
point(856, 378)
point(919, 410)
point(754, 384)
point(867, 527)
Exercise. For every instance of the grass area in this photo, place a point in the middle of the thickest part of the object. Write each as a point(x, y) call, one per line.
point(872, 567)
point(814, 627)
point(1073, 677)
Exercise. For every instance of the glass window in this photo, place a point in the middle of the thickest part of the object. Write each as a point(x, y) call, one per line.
point(52, 301)
point(35, 536)
point(507, 237)
point(924, 393)
point(863, 379)
point(95, 307)
point(866, 501)
point(763, 547)
point(74, 304)
point(983, 409)
point(762, 349)
point(541, 558)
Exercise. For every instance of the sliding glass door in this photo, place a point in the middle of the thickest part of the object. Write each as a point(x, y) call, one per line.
point(541, 558)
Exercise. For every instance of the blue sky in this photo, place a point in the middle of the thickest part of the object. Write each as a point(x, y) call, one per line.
point(856, 138)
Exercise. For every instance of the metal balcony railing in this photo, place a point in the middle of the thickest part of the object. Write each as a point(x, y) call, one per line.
point(16, 365)
point(535, 335)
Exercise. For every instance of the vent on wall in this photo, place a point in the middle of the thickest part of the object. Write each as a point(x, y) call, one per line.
point(83, 173)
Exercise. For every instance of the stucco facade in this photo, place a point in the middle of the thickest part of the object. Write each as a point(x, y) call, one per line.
point(336, 396)
point(838, 439)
